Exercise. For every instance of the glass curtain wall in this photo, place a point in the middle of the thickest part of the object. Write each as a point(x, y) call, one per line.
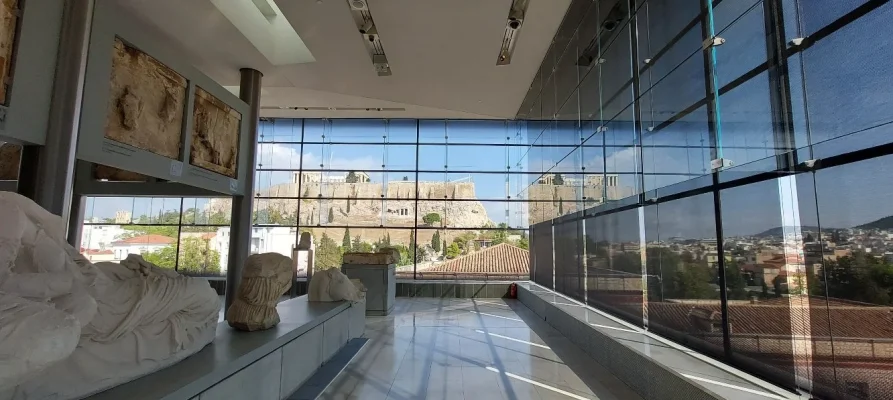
point(454, 198)
point(743, 150)
point(189, 235)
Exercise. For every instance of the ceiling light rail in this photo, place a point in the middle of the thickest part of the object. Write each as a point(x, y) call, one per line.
point(359, 9)
point(512, 30)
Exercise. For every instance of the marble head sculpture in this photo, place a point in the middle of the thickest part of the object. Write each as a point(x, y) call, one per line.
point(264, 279)
point(70, 328)
point(332, 285)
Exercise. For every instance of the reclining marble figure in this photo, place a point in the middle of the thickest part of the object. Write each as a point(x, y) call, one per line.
point(70, 328)
point(264, 279)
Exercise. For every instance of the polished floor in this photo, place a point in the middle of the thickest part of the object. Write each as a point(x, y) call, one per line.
point(470, 349)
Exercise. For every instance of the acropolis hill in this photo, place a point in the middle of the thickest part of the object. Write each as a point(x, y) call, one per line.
point(455, 202)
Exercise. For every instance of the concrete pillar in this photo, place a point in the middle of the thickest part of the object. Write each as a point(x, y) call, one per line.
point(240, 231)
point(48, 170)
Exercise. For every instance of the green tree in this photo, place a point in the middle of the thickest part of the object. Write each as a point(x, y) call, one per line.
point(560, 206)
point(196, 257)
point(431, 218)
point(444, 247)
point(405, 178)
point(357, 244)
point(388, 239)
point(499, 236)
point(735, 282)
point(435, 242)
point(351, 177)
point(348, 205)
point(364, 247)
point(558, 180)
point(166, 257)
point(345, 241)
point(452, 251)
point(328, 255)
point(693, 282)
point(524, 243)
point(331, 216)
point(859, 277)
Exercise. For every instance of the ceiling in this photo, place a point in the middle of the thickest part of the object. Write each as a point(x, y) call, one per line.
point(442, 55)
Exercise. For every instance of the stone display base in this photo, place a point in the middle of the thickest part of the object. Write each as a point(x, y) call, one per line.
point(264, 365)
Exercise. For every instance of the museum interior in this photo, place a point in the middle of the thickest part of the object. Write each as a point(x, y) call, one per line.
point(464, 199)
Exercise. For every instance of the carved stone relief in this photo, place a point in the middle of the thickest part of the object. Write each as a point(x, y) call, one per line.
point(215, 134)
point(8, 22)
point(146, 103)
point(10, 158)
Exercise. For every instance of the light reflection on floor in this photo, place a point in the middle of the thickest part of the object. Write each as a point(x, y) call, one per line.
point(470, 349)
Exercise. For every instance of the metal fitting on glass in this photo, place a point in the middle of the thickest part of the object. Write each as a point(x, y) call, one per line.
point(713, 42)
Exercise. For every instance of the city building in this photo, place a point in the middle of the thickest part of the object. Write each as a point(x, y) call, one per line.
point(626, 199)
point(140, 245)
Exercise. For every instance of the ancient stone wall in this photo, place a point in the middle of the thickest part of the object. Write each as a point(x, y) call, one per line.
point(368, 208)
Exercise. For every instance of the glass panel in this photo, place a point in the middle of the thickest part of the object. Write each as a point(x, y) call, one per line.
point(857, 272)
point(757, 264)
point(815, 14)
point(844, 97)
point(543, 255)
point(569, 277)
point(474, 213)
point(198, 252)
point(364, 157)
point(614, 264)
point(682, 264)
point(280, 130)
point(678, 152)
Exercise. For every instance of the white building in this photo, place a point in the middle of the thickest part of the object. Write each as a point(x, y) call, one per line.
point(140, 245)
point(100, 237)
point(264, 239)
point(123, 217)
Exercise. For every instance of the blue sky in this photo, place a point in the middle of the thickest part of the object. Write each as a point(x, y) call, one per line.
point(847, 81)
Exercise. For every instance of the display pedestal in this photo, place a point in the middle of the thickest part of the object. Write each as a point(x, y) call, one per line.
point(270, 364)
point(381, 285)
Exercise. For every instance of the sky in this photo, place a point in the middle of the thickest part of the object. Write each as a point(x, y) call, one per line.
point(844, 100)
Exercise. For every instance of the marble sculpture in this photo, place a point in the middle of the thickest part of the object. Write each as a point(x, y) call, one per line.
point(70, 328)
point(264, 279)
point(332, 285)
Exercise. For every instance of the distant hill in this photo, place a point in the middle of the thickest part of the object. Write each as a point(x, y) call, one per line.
point(883, 223)
point(778, 231)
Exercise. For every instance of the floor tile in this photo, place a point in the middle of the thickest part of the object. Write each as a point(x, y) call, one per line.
point(442, 348)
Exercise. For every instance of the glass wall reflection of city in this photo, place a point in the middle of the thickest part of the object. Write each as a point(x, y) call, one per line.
point(759, 230)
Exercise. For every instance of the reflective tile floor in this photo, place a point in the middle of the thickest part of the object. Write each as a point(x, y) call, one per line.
point(470, 349)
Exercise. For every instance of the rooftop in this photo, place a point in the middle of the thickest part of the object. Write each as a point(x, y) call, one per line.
point(502, 259)
point(145, 239)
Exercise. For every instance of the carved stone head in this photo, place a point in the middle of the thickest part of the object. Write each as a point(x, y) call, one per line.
point(265, 279)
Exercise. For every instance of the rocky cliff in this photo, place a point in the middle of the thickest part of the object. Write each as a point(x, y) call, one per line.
point(372, 205)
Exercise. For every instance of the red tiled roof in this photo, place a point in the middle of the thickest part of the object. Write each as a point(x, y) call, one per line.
point(96, 252)
point(775, 319)
point(502, 258)
point(145, 239)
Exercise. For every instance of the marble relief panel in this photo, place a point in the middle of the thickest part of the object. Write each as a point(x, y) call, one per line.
point(215, 134)
point(146, 103)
